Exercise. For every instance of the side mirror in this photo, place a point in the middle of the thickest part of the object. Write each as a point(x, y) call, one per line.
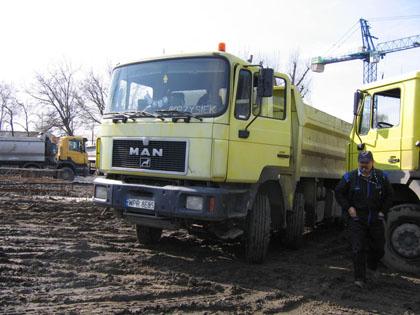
point(265, 83)
point(357, 98)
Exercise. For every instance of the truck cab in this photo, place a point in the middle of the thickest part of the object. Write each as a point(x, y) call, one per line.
point(387, 122)
point(72, 156)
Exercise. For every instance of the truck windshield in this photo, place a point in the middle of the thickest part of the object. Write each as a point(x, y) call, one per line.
point(195, 85)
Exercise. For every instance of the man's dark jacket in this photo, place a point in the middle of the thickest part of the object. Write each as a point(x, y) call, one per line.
point(369, 195)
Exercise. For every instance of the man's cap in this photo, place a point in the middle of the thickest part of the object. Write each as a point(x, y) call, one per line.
point(365, 157)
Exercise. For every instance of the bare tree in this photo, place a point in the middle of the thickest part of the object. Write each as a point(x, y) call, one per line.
point(10, 114)
point(298, 70)
point(296, 67)
point(58, 91)
point(42, 123)
point(93, 99)
point(5, 95)
point(8, 106)
point(25, 110)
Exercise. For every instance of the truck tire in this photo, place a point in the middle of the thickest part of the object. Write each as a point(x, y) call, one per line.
point(293, 234)
point(402, 238)
point(148, 235)
point(258, 229)
point(67, 174)
point(310, 216)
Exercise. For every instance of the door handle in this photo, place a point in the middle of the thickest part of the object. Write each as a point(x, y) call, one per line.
point(393, 159)
point(283, 156)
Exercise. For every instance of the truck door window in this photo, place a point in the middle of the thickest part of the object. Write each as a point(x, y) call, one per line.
point(364, 126)
point(275, 106)
point(386, 108)
point(243, 95)
point(74, 145)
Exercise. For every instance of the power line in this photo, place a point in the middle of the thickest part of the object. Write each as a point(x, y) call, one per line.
point(394, 18)
point(345, 37)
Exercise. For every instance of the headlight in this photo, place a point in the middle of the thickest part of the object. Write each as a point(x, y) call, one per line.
point(101, 192)
point(194, 203)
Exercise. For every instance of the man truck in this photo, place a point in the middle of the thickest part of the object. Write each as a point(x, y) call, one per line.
point(387, 122)
point(213, 144)
point(69, 157)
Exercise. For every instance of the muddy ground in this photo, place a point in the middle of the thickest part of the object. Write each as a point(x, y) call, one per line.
point(63, 255)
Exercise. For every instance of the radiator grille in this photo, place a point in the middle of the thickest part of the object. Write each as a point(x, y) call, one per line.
point(165, 156)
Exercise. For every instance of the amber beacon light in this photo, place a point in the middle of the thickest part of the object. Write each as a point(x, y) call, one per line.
point(222, 46)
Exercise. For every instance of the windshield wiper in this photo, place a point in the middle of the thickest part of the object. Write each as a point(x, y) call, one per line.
point(177, 114)
point(141, 114)
point(124, 116)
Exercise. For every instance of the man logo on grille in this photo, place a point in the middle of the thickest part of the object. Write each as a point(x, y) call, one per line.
point(145, 162)
point(146, 152)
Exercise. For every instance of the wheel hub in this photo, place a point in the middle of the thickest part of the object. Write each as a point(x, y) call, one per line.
point(405, 240)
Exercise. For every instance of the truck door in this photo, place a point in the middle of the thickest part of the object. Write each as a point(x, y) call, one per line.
point(76, 151)
point(269, 140)
point(380, 127)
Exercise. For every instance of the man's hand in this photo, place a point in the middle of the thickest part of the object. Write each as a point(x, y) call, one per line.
point(352, 212)
point(381, 215)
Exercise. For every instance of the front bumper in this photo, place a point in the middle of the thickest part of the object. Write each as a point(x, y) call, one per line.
point(219, 204)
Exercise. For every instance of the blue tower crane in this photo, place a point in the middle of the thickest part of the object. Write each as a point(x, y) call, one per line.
point(369, 53)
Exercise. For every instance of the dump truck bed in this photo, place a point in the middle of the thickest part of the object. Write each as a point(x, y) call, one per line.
point(323, 145)
point(22, 149)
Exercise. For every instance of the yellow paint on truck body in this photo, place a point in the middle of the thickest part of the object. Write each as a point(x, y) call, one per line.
point(324, 142)
point(394, 147)
point(305, 143)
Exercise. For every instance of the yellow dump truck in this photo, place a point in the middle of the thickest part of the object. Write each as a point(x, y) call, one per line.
point(387, 122)
point(213, 144)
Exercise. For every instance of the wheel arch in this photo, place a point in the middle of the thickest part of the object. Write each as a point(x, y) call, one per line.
point(67, 164)
point(275, 195)
point(32, 165)
point(279, 187)
point(404, 194)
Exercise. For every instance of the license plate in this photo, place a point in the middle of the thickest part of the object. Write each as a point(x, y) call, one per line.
point(141, 204)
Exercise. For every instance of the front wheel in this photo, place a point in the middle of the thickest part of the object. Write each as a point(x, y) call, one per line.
point(67, 174)
point(257, 236)
point(402, 236)
point(148, 235)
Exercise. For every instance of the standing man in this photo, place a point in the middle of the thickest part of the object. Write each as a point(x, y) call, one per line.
point(365, 194)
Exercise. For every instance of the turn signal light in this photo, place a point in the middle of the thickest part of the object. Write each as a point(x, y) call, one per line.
point(212, 204)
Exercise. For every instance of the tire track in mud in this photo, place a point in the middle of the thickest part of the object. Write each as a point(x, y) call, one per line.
point(69, 256)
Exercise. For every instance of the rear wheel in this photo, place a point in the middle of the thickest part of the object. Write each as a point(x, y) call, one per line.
point(148, 235)
point(402, 235)
point(310, 216)
point(67, 174)
point(293, 235)
point(257, 237)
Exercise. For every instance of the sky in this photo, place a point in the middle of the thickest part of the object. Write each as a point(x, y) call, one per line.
point(93, 34)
